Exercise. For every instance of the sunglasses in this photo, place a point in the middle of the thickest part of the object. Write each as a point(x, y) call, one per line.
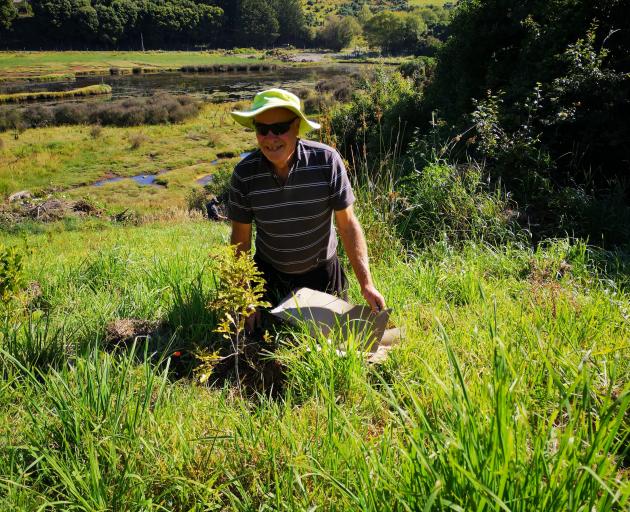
point(275, 128)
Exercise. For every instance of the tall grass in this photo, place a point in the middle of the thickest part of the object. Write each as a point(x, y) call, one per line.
point(509, 392)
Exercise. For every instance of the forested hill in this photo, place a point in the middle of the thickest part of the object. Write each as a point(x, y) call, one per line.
point(163, 24)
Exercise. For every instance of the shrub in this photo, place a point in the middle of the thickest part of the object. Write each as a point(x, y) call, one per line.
point(138, 139)
point(454, 203)
point(196, 200)
point(38, 116)
point(158, 109)
point(11, 273)
point(220, 183)
point(133, 116)
point(71, 114)
point(378, 117)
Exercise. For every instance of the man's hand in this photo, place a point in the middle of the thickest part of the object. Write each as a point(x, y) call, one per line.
point(373, 298)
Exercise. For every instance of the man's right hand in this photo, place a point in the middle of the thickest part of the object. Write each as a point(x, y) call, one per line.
point(373, 298)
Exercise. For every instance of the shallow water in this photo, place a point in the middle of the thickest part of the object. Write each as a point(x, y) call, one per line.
point(228, 86)
point(149, 179)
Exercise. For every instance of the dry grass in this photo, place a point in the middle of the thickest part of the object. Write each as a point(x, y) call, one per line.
point(96, 131)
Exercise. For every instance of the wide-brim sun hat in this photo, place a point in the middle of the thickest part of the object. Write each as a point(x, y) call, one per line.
point(275, 98)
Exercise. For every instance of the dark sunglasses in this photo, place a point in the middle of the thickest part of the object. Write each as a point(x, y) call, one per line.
point(276, 128)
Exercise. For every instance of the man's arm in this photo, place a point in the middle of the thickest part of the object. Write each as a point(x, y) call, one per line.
point(241, 236)
point(354, 243)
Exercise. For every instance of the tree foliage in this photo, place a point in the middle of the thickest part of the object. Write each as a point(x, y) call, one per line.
point(338, 32)
point(395, 31)
point(8, 13)
point(539, 92)
point(258, 23)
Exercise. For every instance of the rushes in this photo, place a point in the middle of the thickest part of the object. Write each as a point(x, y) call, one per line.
point(157, 109)
point(90, 90)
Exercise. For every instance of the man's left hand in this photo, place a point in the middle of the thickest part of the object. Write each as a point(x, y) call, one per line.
point(373, 298)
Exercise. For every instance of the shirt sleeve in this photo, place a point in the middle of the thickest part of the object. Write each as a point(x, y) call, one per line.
point(341, 194)
point(239, 208)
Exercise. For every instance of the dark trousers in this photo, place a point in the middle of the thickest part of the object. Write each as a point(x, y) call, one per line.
point(328, 277)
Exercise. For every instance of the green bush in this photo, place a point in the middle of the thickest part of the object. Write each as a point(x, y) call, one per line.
point(378, 118)
point(220, 183)
point(196, 200)
point(452, 203)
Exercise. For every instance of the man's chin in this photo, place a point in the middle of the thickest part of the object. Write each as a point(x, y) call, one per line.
point(273, 156)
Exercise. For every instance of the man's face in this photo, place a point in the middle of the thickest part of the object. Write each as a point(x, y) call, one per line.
point(278, 149)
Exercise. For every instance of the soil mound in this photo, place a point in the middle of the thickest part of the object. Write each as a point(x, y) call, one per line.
point(25, 207)
point(127, 330)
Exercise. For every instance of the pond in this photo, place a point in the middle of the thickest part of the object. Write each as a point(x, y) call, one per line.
point(152, 179)
point(218, 86)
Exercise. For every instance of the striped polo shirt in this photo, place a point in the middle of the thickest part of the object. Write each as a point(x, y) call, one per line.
point(294, 221)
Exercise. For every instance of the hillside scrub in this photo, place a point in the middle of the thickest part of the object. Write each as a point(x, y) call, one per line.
point(540, 103)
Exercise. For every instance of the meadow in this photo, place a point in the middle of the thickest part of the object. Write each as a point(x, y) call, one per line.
point(509, 390)
point(35, 65)
point(68, 159)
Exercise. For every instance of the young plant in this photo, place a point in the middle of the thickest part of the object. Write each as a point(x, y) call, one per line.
point(11, 273)
point(239, 293)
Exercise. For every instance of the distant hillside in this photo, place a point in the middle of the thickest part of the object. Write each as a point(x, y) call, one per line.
point(320, 9)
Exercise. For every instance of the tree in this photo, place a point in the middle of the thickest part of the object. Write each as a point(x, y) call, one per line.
point(338, 32)
point(291, 21)
point(364, 15)
point(8, 13)
point(87, 21)
point(259, 24)
point(395, 31)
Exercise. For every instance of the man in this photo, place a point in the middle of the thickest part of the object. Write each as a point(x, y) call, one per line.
point(212, 210)
point(290, 188)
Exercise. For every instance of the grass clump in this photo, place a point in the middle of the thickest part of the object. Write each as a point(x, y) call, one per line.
point(137, 139)
point(90, 90)
point(96, 131)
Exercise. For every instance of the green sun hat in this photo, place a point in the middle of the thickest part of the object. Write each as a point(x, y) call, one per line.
point(275, 98)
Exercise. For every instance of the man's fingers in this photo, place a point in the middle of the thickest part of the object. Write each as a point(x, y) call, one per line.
point(376, 302)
